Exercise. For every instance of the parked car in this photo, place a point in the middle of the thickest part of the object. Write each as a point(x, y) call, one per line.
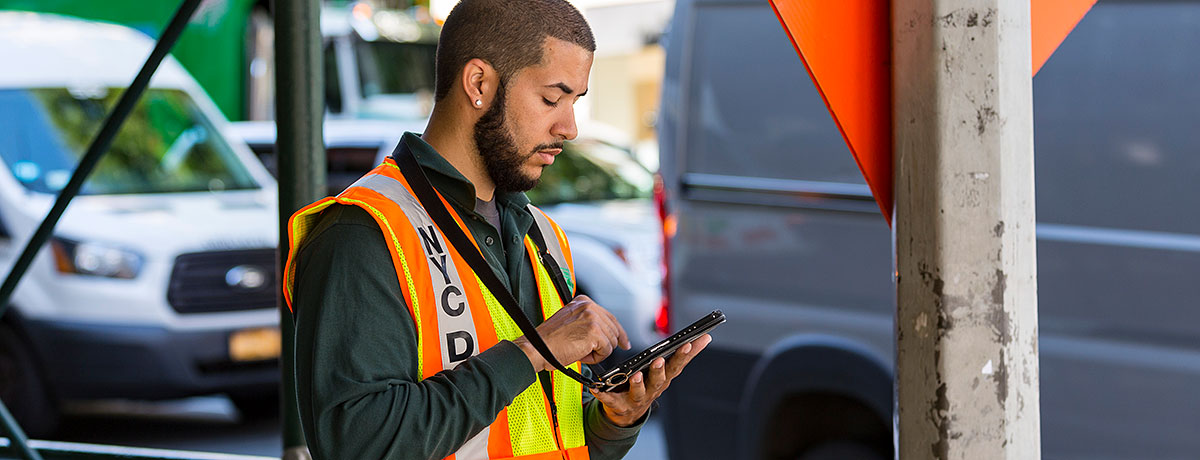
point(601, 197)
point(773, 223)
point(159, 279)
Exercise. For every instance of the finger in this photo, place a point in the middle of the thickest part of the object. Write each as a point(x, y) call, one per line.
point(622, 337)
point(608, 327)
point(607, 336)
point(698, 345)
point(593, 358)
point(619, 330)
point(601, 351)
point(582, 300)
point(686, 353)
point(607, 398)
point(612, 326)
point(637, 389)
point(575, 306)
point(658, 376)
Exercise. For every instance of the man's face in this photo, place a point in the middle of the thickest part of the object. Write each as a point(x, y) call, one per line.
point(532, 115)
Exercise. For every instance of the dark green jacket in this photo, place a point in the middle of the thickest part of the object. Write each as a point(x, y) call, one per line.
point(360, 394)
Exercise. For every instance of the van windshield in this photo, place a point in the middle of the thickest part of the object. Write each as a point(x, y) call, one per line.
point(165, 146)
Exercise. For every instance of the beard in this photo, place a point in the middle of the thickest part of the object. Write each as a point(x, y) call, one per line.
point(498, 149)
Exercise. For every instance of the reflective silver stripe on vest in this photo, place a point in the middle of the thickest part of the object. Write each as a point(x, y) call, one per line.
point(455, 324)
point(454, 315)
point(476, 447)
point(552, 245)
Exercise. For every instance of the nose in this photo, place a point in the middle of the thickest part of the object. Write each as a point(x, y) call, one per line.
point(564, 127)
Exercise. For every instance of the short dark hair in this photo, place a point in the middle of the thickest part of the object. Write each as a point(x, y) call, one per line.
point(508, 34)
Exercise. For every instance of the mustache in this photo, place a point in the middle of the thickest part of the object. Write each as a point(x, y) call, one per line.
point(553, 145)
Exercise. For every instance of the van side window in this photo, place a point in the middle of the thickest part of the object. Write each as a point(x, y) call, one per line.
point(1115, 109)
point(777, 114)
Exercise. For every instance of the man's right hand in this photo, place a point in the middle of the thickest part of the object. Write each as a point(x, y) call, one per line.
point(580, 331)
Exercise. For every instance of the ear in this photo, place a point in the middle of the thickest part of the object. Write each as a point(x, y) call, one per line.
point(479, 83)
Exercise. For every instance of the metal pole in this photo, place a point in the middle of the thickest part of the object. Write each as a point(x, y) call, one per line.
point(16, 436)
point(95, 151)
point(300, 153)
point(967, 355)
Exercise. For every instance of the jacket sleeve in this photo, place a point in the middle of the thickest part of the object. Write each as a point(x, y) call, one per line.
point(360, 395)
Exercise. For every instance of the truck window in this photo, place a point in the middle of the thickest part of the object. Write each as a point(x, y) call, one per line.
point(1115, 113)
point(395, 68)
point(777, 114)
point(166, 145)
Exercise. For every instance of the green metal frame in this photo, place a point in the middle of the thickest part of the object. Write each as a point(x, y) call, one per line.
point(16, 435)
point(300, 150)
point(54, 450)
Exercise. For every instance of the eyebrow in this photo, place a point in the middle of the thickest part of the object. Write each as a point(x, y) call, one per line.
point(566, 89)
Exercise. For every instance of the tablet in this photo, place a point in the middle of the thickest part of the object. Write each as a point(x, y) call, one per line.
point(616, 380)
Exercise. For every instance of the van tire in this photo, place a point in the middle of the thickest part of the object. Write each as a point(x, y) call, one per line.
point(820, 426)
point(23, 388)
point(841, 450)
point(256, 405)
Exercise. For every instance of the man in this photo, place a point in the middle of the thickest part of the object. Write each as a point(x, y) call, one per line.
point(403, 348)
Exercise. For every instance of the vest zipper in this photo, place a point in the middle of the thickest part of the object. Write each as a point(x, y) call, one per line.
point(554, 418)
point(557, 436)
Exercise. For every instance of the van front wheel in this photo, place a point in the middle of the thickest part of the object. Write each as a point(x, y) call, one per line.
point(842, 450)
point(256, 405)
point(824, 426)
point(22, 387)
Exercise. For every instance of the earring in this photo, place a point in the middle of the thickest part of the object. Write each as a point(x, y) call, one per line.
point(478, 103)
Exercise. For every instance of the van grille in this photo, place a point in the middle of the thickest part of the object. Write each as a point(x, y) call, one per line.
point(205, 282)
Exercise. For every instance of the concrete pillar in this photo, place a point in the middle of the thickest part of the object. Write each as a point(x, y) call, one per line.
point(967, 366)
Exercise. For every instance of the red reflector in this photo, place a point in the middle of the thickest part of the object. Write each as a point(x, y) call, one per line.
point(662, 322)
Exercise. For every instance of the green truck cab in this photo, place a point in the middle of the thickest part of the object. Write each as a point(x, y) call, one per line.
point(229, 48)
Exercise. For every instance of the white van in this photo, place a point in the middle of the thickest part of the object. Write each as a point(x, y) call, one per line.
point(159, 281)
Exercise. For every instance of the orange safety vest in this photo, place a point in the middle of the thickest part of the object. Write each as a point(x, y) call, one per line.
point(455, 315)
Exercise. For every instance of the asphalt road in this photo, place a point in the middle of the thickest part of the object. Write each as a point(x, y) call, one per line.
point(211, 424)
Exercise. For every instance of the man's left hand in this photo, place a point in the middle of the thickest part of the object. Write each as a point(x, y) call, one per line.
point(625, 409)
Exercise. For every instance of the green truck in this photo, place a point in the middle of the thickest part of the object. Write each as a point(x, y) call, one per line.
point(229, 49)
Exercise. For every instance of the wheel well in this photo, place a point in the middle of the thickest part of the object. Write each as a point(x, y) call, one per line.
point(13, 321)
point(808, 391)
point(805, 421)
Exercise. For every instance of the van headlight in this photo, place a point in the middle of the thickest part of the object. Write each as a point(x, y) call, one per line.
point(95, 259)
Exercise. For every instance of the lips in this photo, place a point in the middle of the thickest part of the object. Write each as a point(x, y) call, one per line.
point(547, 155)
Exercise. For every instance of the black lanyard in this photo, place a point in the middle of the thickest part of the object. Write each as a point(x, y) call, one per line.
point(455, 236)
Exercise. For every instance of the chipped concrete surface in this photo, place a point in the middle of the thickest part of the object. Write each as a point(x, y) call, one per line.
point(966, 255)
